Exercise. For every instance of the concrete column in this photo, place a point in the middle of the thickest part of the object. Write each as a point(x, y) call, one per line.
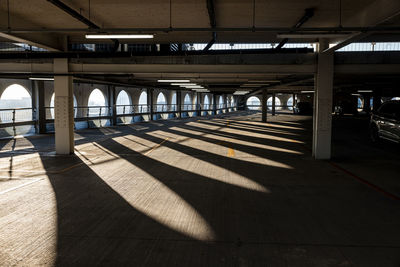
point(179, 103)
point(294, 102)
point(322, 131)
point(113, 103)
point(215, 103)
point(38, 93)
point(367, 103)
point(150, 102)
point(63, 107)
point(264, 99)
point(377, 101)
point(225, 103)
point(198, 104)
point(273, 104)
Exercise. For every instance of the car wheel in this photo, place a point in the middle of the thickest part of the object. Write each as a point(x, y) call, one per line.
point(373, 133)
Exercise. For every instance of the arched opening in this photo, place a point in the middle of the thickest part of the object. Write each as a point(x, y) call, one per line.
point(16, 96)
point(96, 104)
point(187, 102)
point(277, 103)
point(206, 104)
point(360, 104)
point(142, 103)
point(289, 103)
point(161, 102)
point(124, 103)
point(253, 103)
point(52, 106)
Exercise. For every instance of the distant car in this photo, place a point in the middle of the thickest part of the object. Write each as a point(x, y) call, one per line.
point(303, 108)
point(385, 122)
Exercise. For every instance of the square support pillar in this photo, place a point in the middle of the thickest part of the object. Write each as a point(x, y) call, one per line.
point(322, 132)
point(225, 103)
point(215, 103)
point(150, 102)
point(264, 105)
point(38, 93)
point(273, 104)
point(63, 107)
point(377, 99)
point(113, 104)
point(367, 103)
point(179, 103)
point(198, 104)
point(294, 103)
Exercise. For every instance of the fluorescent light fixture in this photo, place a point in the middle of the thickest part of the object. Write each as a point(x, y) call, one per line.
point(183, 84)
point(364, 91)
point(119, 36)
point(264, 81)
point(41, 79)
point(307, 92)
point(241, 92)
point(251, 85)
point(255, 84)
point(193, 87)
point(356, 94)
point(173, 81)
point(201, 90)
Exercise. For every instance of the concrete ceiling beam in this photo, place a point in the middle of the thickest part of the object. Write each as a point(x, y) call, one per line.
point(379, 13)
point(52, 42)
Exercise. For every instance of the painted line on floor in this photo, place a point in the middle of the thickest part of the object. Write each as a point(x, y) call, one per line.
point(361, 180)
point(19, 186)
point(156, 146)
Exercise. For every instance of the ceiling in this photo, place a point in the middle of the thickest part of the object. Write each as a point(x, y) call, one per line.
point(44, 24)
point(40, 15)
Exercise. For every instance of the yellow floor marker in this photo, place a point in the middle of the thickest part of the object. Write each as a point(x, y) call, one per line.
point(231, 152)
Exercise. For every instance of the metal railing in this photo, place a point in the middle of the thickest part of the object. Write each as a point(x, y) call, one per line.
point(132, 109)
point(269, 107)
point(17, 116)
point(13, 117)
point(23, 118)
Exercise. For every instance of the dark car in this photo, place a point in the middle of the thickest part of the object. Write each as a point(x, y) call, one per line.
point(303, 108)
point(385, 122)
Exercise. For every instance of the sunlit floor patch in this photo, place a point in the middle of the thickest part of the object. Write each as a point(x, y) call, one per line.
point(234, 140)
point(245, 134)
point(203, 166)
point(148, 201)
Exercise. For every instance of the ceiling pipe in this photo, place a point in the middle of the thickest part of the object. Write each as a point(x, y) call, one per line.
point(213, 23)
point(213, 40)
point(74, 13)
point(309, 13)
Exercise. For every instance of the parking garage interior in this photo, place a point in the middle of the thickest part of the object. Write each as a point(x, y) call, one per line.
point(199, 133)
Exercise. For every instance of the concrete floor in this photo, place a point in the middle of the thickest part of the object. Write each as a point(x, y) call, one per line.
point(222, 191)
